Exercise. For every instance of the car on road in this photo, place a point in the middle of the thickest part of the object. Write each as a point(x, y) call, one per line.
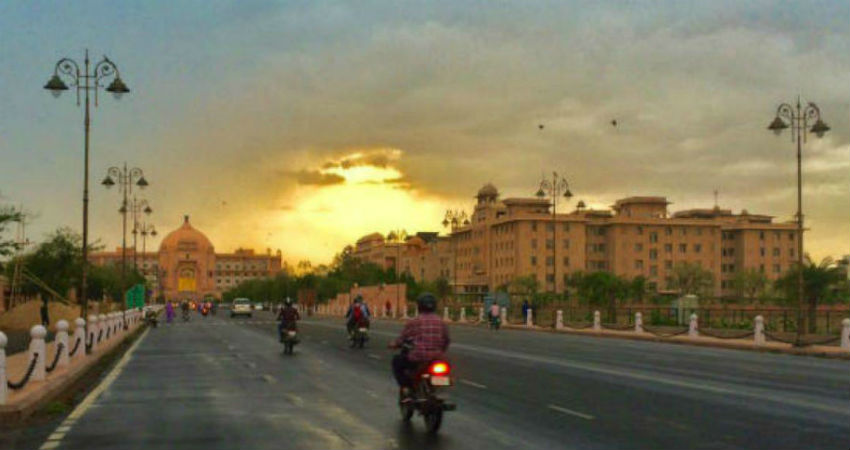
point(241, 307)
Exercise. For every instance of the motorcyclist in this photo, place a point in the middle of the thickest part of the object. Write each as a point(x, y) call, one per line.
point(288, 317)
point(429, 336)
point(358, 313)
point(184, 307)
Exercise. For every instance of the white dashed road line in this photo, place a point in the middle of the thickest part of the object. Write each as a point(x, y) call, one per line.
point(571, 412)
point(373, 356)
point(473, 384)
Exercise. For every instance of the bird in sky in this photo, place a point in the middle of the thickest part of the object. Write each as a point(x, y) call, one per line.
point(614, 123)
point(540, 126)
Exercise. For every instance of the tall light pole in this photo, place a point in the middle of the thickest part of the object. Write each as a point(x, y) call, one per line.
point(555, 188)
point(399, 237)
point(797, 118)
point(86, 81)
point(146, 229)
point(125, 178)
point(453, 220)
point(138, 207)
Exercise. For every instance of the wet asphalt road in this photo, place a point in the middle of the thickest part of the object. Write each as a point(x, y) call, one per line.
point(221, 383)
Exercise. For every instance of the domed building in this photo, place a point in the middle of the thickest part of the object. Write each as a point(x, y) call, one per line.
point(186, 266)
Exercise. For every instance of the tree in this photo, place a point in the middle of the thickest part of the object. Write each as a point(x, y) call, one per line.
point(691, 279)
point(8, 216)
point(750, 283)
point(823, 282)
point(637, 288)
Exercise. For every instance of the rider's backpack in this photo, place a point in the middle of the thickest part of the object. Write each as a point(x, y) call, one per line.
point(357, 313)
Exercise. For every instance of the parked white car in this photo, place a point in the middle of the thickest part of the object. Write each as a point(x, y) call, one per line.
point(241, 307)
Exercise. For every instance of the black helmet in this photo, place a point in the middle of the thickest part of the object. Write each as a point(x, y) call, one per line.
point(288, 301)
point(358, 299)
point(426, 302)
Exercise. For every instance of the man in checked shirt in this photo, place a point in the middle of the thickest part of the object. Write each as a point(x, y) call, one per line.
point(430, 339)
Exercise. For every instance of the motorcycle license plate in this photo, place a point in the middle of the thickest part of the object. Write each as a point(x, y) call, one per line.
point(291, 333)
point(441, 381)
point(363, 330)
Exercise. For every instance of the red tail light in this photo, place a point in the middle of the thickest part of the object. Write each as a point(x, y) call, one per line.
point(439, 368)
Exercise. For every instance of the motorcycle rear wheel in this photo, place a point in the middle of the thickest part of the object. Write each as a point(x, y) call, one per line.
point(433, 420)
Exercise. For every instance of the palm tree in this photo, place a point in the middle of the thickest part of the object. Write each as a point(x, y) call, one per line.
point(820, 282)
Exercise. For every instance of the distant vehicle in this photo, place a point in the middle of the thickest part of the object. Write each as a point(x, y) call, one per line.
point(241, 307)
point(258, 306)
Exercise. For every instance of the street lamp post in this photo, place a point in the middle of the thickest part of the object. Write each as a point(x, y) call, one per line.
point(146, 229)
point(399, 237)
point(138, 207)
point(555, 188)
point(125, 178)
point(453, 220)
point(86, 81)
point(797, 118)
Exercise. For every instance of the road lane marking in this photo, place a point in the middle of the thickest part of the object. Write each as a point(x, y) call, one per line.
point(294, 399)
point(269, 379)
point(571, 412)
point(250, 365)
point(473, 384)
point(55, 438)
point(373, 356)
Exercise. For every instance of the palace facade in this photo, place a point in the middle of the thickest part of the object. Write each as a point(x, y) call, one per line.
point(186, 266)
point(512, 237)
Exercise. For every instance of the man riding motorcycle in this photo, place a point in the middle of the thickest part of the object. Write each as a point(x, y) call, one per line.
point(429, 336)
point(288, 317)
point(358, 314)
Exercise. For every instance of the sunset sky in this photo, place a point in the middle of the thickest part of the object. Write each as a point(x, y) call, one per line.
point(304, 125)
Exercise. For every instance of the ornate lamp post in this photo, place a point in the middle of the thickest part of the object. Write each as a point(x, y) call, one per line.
point(798, 118)
point(86, 81)
point(145, 229)
point(453, 220)
point(125, 178)
point(555, 188)
point(138, 207)
point(398, 237)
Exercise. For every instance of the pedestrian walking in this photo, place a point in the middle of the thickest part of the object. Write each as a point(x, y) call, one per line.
point(169, 312)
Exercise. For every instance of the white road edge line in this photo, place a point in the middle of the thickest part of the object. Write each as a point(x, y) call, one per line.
point(95, 393)
point(473, 384)
point(571, 412)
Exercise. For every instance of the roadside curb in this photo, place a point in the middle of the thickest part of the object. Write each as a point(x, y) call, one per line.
point(14, 414)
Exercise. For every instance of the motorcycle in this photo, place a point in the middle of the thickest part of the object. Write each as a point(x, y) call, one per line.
point(360, 334)
point(185, 315)
point(151, 318)
point(495, 322)
point(204, 311)
point(289, 337)
point(423, 396)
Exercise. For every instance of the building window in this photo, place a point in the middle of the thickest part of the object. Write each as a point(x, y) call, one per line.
point(638, 247)
point(653, 254)
point(761, 268)
point(777, 268)
point(668, 248)
point(699, 231)
point(697, 248)
point(761, 235)
point(668, 264)
point(566, 260)
point(653, 237)
point(533, 260)
point(550, 227)
point(790, 236)
point(776, 251)
point(566, 227)
point(791, 252)
point(668, 231)
point(639, 264)
point(550, 277)
point(533, 226)
point(550, 261)
point(761, 251)
point(684, 231)
point(653, 271)
point(550, 244)
point(566, 243)
point(683, 248)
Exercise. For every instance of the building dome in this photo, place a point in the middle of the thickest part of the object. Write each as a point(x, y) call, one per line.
point(488, 191)
point(186, 238)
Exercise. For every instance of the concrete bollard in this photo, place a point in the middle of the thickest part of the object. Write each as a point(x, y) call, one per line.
point(94, 329)
point(638, 322)
point(62, 338)
point(559, 320)
point(446, 313)
point(462, 314)
point(693, 327)
point(79, 333)
point(480, 314)
point(37, 334)
point(529, 318)
point(103, 325)
point(845, 334)
point(4, 389)
point(597, 321)
point(758, 335)
point(504, 314)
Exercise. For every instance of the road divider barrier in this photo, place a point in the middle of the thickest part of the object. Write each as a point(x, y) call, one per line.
point(41, 370)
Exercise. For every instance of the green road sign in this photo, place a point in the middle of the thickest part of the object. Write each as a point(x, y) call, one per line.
point(135, 296)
